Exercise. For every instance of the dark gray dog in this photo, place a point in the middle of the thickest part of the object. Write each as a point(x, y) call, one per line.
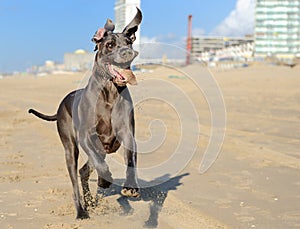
point(100, 117)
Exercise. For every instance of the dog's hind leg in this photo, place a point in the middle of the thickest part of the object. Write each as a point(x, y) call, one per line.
point(71, 159)
point(71, 153)
point(85, 173)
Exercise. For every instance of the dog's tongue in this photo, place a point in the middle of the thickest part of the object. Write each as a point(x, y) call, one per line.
point(129, 76)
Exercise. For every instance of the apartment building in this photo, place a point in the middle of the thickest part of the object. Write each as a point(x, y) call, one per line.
point(277, 28)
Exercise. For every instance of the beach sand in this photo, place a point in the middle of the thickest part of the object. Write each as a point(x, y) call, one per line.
point(254, 183)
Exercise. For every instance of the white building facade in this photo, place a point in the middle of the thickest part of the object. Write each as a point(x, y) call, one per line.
point(222, 48)
point(277, 28)
point(125, 10)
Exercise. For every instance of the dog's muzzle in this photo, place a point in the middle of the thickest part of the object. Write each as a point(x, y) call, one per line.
point(122, 76)
point(119, 67)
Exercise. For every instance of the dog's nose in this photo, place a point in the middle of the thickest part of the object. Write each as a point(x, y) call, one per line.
point(127, 53)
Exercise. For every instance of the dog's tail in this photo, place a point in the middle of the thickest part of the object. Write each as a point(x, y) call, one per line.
point(42, 116)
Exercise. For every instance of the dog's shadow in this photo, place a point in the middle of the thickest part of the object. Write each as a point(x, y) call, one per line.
point(156, 194)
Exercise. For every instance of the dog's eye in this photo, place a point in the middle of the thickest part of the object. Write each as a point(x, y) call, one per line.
point(128, 42)
point(110, 45)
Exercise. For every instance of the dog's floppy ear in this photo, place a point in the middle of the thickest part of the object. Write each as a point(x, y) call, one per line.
point(98, 35)
point(132, 27)
point(101, 32)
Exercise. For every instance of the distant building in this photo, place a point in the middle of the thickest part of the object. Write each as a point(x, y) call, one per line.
point(206, 48)
point(125, 11)
point(277, 28)
point(79, 60)
point(48, 67)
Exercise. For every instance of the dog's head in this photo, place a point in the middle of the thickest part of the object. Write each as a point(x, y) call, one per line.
point(115, 52)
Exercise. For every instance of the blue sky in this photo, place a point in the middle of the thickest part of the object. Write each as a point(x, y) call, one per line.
point(33, 31)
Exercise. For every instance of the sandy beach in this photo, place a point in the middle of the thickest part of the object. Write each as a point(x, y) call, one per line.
point(254, 183)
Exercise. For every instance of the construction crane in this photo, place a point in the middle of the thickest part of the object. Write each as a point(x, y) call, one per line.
point(189, 41)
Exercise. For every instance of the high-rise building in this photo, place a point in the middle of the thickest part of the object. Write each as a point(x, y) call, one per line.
point(125, 11)
point(277, 28)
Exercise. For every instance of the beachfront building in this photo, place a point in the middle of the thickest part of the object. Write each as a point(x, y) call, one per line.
point(277, 28)
point(212, 43)
point(79, 60)
point(208, 48)
point(125, 11)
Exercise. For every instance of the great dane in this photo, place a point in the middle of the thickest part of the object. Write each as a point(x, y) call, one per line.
point(100, 117)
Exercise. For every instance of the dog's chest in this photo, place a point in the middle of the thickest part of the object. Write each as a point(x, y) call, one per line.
point(106, 134)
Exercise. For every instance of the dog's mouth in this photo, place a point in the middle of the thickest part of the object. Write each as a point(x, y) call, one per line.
point(122, 76)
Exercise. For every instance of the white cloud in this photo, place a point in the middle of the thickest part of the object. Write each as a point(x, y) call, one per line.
point(239, 22)
point(148, 40)
point(159, 46)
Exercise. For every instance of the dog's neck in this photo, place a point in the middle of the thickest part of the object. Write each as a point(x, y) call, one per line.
point(101, 82)
point(99, 69)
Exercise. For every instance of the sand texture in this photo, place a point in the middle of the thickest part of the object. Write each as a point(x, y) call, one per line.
point(254, 183)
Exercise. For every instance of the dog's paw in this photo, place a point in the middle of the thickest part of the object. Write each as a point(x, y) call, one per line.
point(102, 183)
point(130, 192)
point(82, 214)
point(151, 223)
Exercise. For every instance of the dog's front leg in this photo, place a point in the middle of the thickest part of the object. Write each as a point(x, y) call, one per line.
point(92, 146)
point(124, 129)
point(130, 188)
